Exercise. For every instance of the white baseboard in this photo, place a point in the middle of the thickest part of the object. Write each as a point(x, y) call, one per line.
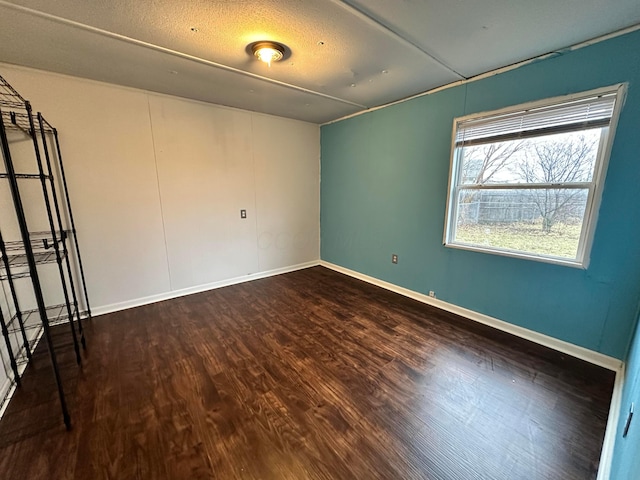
point(9, 387)
point(608, 444)
point(596, 358)
point(565, 347)
point(115, 307)
point(6, 392)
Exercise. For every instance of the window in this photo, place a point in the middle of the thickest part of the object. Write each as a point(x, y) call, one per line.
point(526, 181)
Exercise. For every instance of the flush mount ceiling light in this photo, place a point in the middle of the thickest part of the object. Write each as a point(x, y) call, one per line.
point(268, 52)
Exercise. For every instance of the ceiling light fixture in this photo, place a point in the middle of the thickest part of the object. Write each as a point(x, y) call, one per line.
point(268, 52)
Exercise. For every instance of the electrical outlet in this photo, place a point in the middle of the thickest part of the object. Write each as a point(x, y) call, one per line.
point(243, 214)
point(432, 294)
point(394, 258)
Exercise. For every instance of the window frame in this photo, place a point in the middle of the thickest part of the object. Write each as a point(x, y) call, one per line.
point(595, 187)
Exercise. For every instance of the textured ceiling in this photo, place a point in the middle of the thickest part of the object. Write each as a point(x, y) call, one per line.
point(343, 56)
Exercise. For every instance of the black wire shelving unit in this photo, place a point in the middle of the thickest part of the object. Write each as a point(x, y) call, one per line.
point(32, 162)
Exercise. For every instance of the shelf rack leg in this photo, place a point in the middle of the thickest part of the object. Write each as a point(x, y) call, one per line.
point(14, 296)
point(35, 279)
point(56, 247)
point(73, 225)
point(61, 228)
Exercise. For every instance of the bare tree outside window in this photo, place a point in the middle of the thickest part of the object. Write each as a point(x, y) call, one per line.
point(569, 159)
point(483, 162)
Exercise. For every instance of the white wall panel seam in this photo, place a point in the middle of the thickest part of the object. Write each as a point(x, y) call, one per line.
point(162, 217)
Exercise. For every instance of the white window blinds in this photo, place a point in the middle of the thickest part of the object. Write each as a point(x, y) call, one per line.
point(579, 114)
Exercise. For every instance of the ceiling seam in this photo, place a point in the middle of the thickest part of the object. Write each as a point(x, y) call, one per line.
point(363, 15)
point(175, 53)
point(493, 72)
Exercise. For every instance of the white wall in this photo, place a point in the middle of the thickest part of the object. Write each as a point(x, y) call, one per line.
point(157, 184)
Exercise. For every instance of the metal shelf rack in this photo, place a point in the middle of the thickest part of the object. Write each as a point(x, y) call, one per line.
point(27, 253)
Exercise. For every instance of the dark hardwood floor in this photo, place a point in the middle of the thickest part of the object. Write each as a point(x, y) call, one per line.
point(308, 375)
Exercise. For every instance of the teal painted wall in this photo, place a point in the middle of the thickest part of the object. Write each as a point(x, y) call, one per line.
point(626, 453)
point(384, 187)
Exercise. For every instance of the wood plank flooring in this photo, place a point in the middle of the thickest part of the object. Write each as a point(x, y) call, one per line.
point(309, 375)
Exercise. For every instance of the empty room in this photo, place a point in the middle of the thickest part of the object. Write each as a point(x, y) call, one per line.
point(319, 239)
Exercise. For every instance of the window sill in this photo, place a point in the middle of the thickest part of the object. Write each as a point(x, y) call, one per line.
point(565, 262)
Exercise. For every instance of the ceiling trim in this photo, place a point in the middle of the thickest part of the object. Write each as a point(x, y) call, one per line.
point(176, 53)
point(497, 71)
point(375, 22)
